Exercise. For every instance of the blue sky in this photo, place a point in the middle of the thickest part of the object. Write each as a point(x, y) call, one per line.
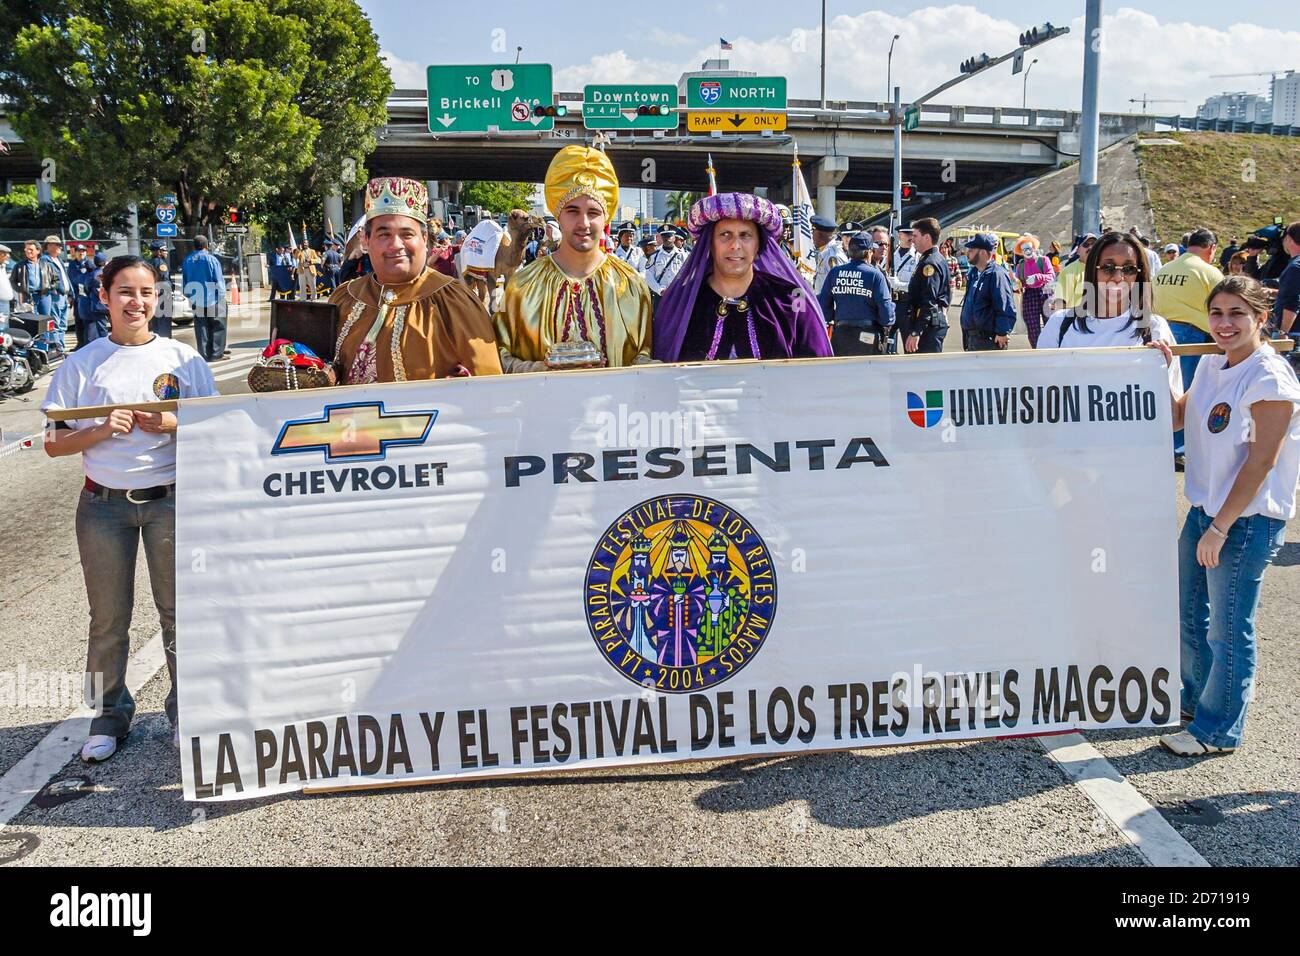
point(1163, 49)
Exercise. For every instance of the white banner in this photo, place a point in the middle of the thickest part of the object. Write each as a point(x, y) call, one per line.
point(523, 573)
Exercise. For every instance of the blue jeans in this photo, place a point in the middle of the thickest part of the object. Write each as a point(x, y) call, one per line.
point(1217, 621)
point(109, 531)
point(1185, 334)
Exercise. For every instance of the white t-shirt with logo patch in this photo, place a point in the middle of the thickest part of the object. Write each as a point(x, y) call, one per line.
point(1219, 430)
point(105, 373)
point(1110, 333)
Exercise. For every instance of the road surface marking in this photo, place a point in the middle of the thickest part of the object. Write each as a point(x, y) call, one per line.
point(1120, 803)
point(25, 779)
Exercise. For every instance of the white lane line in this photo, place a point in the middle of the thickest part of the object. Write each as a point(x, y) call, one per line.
point(25, 779)
point(1120, 803)
point(234, 368)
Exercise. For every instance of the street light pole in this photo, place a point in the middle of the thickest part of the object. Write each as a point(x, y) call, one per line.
point(889, 67)
point(823, 54)
point(1024, 97)
point(896, 213)
point(1086, 214)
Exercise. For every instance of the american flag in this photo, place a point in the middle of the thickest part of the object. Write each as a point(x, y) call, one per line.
point(801, 210)
point(723, 44)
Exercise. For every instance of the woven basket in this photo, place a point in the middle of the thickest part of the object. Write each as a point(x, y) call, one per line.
point(280, 376)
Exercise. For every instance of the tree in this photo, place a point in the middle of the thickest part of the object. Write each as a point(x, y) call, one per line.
point(228, 102)
point(345, 90)
point(497, 198)
point(680, 203)
point(854, 211)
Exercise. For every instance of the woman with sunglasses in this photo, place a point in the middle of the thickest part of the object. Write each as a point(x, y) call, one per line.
point(1242, 420)
point(129, 458)
point(1116, 306)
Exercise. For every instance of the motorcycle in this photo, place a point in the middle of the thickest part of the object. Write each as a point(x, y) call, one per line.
point(41, 350)
point(16, 376)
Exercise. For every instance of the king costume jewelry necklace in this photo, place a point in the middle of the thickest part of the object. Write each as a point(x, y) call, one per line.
point(741, 305)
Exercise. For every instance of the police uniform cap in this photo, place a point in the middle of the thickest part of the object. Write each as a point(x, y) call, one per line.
point(822, 223)
point(157, 244)
point(850, 228)
point(862, 242)
point(982, 240)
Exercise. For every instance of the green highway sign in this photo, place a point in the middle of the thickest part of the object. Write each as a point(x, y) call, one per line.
point(629, 107)
point(485, 98)
point(911, 118)
point(736, 93)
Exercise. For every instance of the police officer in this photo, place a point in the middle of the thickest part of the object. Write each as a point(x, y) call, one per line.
point(847, 231)
point(626, 249)
point(856, 301)
point(649, 246)
point(830, 252)
point(904, 263)
point(331, 265)
point(988, 311)
point(80, 271)
point(926, 323)
point(664, 265)
point(161, 323)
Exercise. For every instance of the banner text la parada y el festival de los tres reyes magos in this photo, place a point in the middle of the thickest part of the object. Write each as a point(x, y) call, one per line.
point(528, 573)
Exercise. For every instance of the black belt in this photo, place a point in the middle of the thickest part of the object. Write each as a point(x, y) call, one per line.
point(137, 496)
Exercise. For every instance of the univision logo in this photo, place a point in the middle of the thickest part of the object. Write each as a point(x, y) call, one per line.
point(927, 412)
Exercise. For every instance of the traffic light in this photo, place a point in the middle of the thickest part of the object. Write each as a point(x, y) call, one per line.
point(908, 192)
point(652, 111)
point(975, 63)
point(1040, 34)
point(232, 216)
point(542, 110)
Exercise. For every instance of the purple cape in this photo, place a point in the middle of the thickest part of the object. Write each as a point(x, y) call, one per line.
point(797, 317)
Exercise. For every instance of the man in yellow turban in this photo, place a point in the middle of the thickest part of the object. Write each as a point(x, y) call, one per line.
point(406, 321)
point(577, 307)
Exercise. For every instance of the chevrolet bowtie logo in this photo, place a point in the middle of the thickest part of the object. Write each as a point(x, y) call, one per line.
point(360, 431)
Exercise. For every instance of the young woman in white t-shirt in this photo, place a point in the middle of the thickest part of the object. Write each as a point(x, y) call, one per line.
point(1116, 306)
point(1242, 421)
point(129, 495)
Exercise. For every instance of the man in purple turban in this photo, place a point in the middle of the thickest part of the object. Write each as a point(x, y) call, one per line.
point(738, 296)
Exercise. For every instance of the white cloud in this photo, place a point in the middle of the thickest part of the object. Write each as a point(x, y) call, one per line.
point(1140, 55)
point(668, 38)
point(406, 74)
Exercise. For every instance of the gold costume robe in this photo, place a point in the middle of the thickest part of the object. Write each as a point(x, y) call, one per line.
point(433, 324)
point(543, 306)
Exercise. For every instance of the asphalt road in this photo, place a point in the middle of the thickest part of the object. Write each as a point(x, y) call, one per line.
point(988, 803)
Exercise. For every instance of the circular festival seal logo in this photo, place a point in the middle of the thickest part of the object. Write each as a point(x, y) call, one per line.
point(167, 386)
point(1220, 415)
point(680, 593)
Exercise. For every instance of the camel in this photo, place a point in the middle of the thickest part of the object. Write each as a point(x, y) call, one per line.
point(510, 253)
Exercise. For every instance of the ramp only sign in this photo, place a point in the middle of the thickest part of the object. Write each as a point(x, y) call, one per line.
point(489, 98)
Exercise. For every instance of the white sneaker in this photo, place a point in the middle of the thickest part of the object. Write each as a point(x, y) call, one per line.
point(98, 747)
point(1185, 745)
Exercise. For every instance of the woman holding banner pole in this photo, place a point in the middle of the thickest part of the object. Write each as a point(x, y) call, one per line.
point(129, 458)
point(1242, 420)
point(1116, 306)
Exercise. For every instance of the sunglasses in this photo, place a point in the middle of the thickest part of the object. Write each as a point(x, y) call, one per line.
point(1110, 269)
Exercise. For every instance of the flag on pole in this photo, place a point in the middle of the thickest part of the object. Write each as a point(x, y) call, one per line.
point(723, 44)
point(713, 179)
point(305, 240)
point(292, 243)
point(801, 211)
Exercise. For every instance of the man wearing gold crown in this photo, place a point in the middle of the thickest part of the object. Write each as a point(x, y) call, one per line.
point(577, 307)
point(404, 320)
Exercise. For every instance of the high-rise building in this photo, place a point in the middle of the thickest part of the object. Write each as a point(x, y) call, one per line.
point(1242, 107)
point(1286, 99)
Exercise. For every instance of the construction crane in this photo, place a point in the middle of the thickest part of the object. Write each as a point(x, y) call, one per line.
point(1145, 100)
point(1271, 74)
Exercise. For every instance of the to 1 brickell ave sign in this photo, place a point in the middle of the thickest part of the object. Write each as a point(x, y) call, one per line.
point(490, 98)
